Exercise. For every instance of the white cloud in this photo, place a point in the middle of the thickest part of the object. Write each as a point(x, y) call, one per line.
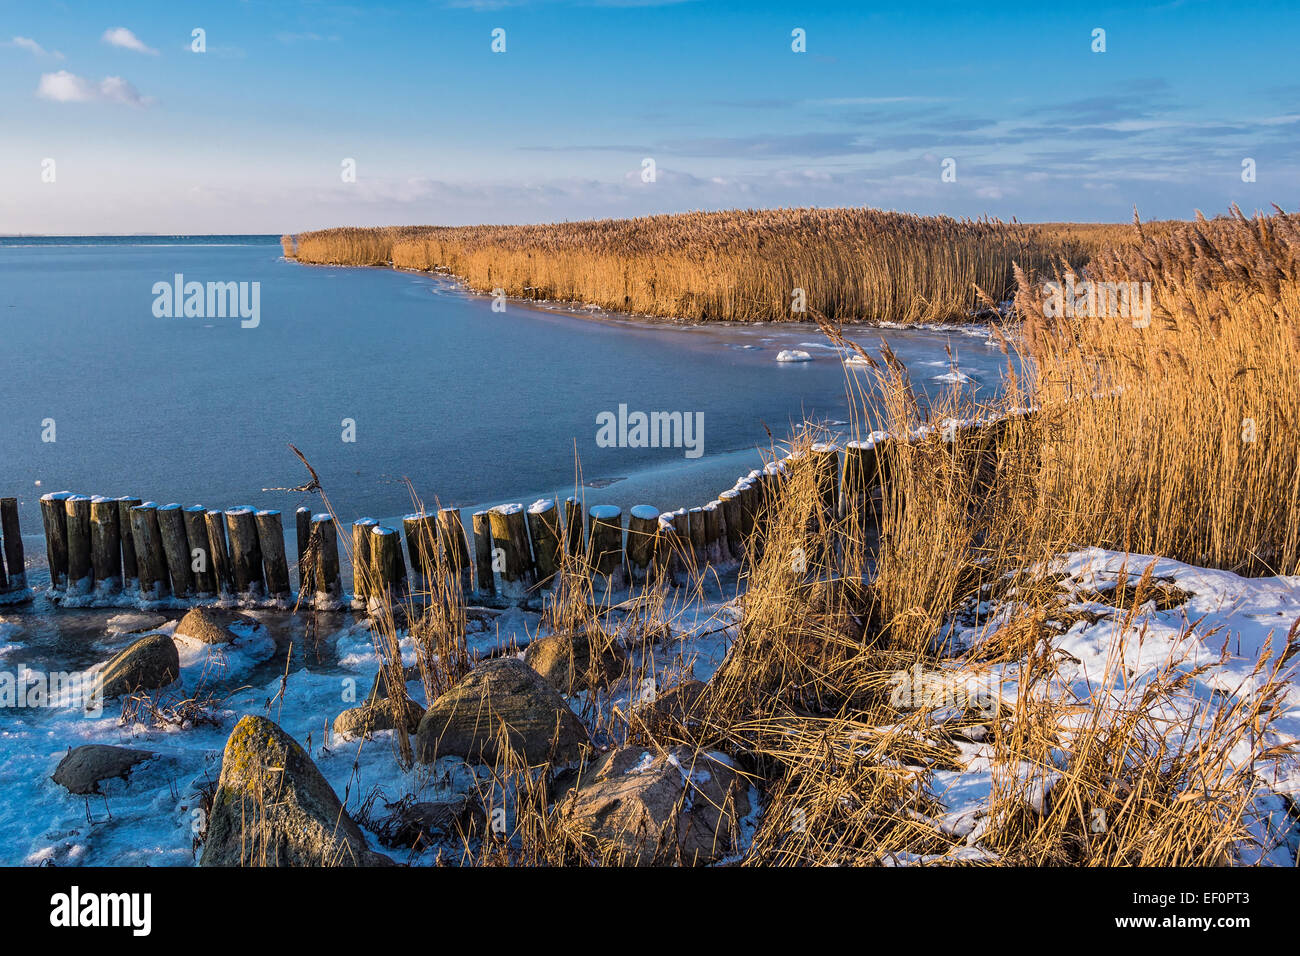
point(65, 87)
point(124, 38)
point(27, 43)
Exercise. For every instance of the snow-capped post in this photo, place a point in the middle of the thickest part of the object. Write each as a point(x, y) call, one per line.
point(105, 545)
point(731, 509)
point(245, 552)
point(147, 534)
point(749, 495)
point(669, 546)
point(327, 575)
point(196, 533)
point(130, 567)
point(690, 524)
point(77, 512)
point(421, 532)
point(361, 576)
point(715, 537)
point(176, 548)
point(306, 561)
point(510, 536)
point(387, 567)
point(484, 582)
point(606, 545)
point(544, 530)
point(455, 546)
point(55, 519)
point(826, 465)
point(574, 538)
point(642, 525)
point(861, 478)
point(13, 539)
point(223, 574)
point(270, 538)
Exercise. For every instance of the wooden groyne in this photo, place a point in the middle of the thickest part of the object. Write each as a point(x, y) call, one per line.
point(125, 551)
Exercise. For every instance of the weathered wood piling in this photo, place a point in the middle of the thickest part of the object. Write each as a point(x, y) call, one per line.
point(130, 568)
point(387, 568)
point(574, 535)
point(605, 545)
point(15, 563)
point(245, 552)
point(201, 564)
point(306, 556)
point(642, 529)
point(455, 546)
point(510, 542)
point(328, 575)
point(484, 580)
point(223, 572)
point(145, 531)
point(77, 522)
point(55, 518)
point(361, 573)
point(105, 545)
point(544, 530)
point(270, 538)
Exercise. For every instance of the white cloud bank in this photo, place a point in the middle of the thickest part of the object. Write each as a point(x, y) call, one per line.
point(27, 43)
point(65, 87)
point(124, 38)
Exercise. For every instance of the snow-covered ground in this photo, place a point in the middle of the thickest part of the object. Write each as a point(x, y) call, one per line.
point(1222, 620)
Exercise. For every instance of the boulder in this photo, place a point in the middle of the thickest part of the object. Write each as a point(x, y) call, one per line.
point(82, 768)
point(566, 662)
point(274, 808)
point(676, 705)
point(657, 807)
point(148, 664)
point(376, 715)
point(467, 720)
point(212, 627)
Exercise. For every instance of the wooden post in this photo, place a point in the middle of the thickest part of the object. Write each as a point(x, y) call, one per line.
point(693, 535)
point(414, 530)
point(573, 532)
point(544, 530)
point(77, 519)
point(13, 544)
point(201, 564)
point(715, 538)
point(510, 534)
point(642, 526)
point(861, 479)
point(455, 548)
point(387, 569)
point(270, 537)
point(730, 501)
point(306, 560)
point(484, 580)
point(605, 545)
point(670, 547)
point(223, 573)
point(327, 576)
point(176, 547)
point(245, 552)
point(105, 545)
point(826, 462)
point(130, 566)
point(149, 555)
point(55, 518)
point(361, 576)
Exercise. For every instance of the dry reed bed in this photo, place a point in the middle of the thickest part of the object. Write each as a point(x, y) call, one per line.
point(853, 265)
point(1146, 457)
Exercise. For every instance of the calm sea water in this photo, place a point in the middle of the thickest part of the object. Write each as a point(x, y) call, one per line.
point(473, 406)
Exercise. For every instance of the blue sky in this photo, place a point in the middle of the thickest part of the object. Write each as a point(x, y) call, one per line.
point(250, 136)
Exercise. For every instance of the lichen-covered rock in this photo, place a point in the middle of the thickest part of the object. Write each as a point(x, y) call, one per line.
point(503, 695)
point(274, 808)
point(212, 627)
point(82, 768)
point(148, 664)
point(568, 662)
point(657, 807)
